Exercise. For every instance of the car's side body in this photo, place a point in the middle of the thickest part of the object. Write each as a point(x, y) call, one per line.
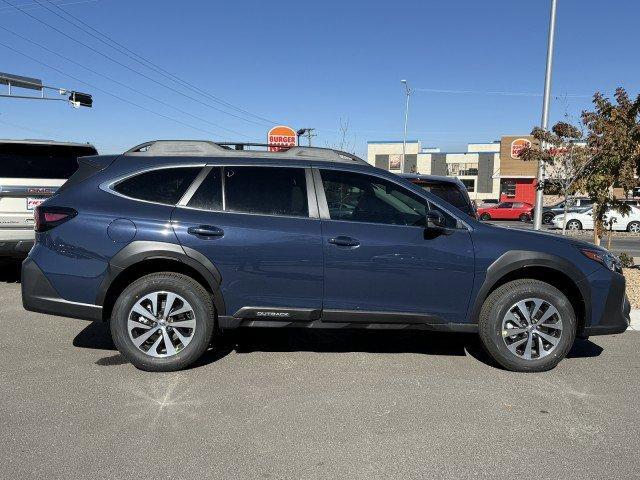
point(283, 270)
point(506, 211)
point(574, 204)
point(618, 221)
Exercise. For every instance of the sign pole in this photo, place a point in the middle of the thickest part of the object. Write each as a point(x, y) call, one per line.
point(537, 213)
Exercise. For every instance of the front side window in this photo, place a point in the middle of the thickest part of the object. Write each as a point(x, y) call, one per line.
point(266, 190)
point(504, 205)
point(363, 198)
point(164, 185)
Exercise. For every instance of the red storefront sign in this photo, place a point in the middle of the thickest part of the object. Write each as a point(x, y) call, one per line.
point(281, 136)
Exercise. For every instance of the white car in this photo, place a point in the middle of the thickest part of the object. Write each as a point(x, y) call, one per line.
point(30, 172)
point(583, 220)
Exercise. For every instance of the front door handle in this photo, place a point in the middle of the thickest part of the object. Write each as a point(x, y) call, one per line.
point(205, 231)
point(344, 241)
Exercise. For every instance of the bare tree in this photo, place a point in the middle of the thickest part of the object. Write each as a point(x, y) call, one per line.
point(344, 143)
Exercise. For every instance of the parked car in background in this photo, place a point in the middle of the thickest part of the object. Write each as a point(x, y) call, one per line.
point(173, 243)
point(450, 189)
point(507, 211)
point(30, 172)
point(583, 220)
point(574, 204)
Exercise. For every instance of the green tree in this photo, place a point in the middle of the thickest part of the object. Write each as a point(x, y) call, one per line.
point(614, 141)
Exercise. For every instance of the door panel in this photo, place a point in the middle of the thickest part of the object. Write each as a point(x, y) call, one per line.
point(380, 260)
point(395, 269)
point(264, 261)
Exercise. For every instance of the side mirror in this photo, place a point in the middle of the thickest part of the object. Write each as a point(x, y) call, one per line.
point(436, 220)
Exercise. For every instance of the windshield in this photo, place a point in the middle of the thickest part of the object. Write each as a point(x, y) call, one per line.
point(40, 161)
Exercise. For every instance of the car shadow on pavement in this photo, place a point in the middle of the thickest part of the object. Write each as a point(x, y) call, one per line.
point(10, 270)
point(96, 335)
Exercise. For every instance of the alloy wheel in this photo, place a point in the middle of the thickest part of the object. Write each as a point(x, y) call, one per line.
point(532, 329)
point(634, 227)
point(573, 225)
point(161, 324)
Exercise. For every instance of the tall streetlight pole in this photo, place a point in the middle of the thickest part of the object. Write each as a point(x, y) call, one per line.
point(537, 213)
point(406, 119)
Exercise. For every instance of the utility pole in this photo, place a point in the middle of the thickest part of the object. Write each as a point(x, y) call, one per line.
point(406, 119)
point(309, 134)
point(537, 213)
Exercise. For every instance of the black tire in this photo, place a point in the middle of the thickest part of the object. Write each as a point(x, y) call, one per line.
point(524, 217)
point(576, 223)
point(193, 292)
point(485, 217)
point(548, 218)
point(496, 307)
point(633, 227)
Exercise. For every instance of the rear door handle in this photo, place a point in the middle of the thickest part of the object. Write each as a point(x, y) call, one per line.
point(205, 231)
point(344, 241)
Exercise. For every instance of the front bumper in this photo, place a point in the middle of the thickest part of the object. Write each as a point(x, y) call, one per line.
point(38, 295)
point(614, 315)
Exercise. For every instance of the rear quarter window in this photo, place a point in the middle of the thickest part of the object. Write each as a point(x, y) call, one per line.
point(164, 185)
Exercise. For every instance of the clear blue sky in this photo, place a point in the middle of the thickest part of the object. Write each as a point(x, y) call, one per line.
point(309, 64)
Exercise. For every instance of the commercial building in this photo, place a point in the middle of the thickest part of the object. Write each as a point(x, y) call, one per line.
point(490, 170)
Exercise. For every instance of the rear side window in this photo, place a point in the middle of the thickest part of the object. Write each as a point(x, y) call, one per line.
point(165, 185)
point(266, 190)
point(209, 193)
point(40, 161)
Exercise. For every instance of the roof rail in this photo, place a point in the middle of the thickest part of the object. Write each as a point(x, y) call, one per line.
point(176, 148)
point(203, 148)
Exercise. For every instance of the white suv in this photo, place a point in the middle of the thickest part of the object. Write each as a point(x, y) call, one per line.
point(30, 172)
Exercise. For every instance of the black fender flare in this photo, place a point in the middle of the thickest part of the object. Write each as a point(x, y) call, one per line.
point(514, 260)
point(142, 250)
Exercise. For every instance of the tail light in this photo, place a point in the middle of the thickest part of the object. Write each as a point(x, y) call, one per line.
point(45, 218)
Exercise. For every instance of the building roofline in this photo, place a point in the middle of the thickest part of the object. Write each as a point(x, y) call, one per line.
point(391, 141)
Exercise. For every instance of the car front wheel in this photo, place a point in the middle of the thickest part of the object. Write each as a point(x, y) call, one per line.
point(163, 322)
point(527, 325)
point(547, 218)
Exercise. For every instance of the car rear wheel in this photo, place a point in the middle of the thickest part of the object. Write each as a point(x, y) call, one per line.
point(634, 227)
point(547, 217)
point(485, 217)
point(574, 225)
point(527, 325)
point(163, 322)
point(524, 217)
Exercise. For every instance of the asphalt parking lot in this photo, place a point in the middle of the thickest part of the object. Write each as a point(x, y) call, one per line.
point(299, 404)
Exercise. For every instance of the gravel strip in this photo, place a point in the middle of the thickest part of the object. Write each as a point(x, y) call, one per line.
point(633, 286)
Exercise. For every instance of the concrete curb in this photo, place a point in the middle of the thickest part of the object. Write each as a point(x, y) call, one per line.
point(635, 320)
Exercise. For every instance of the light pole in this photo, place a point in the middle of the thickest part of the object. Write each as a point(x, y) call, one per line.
point(537, 212)
point(406, 119)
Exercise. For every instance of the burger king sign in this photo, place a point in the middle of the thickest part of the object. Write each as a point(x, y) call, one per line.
point(518, 145)
point(281, 136)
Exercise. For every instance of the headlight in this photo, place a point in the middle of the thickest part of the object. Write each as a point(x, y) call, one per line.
point(608, 259)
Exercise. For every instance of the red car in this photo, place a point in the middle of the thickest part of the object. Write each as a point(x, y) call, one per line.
point(507, 211)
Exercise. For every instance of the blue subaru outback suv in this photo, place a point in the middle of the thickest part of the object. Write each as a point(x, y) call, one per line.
point(175, 242)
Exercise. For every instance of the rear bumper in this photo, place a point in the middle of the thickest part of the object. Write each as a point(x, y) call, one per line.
point(615, 315)
point(15, 248)
point(38, 295)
